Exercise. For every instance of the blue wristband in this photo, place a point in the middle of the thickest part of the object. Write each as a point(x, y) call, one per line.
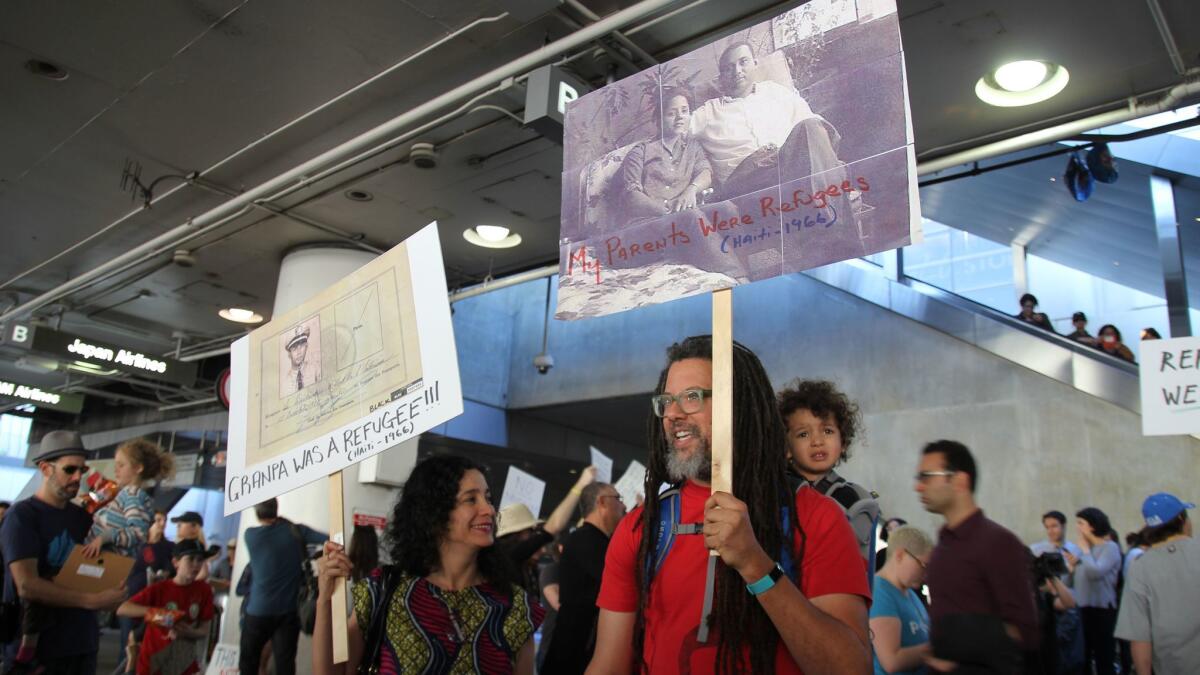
point(767, 582)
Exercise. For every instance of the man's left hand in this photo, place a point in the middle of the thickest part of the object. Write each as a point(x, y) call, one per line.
point(727, 530)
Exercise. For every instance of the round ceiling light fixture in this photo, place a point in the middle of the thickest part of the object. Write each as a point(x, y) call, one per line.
point(1022, 83)
point(357, 195)
point(238, 315)
point(491, 236)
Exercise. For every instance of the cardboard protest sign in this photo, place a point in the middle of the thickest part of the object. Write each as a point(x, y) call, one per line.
point(783, 147)
point(224, 660)
point(364, 365)
point(521, 487)
point(603, 464)
point(632, 483)
point(1170, 380)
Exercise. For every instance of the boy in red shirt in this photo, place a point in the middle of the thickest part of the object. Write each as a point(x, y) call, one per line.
point(177, 613)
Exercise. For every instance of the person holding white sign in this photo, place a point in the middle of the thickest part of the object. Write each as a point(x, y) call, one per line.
point(521, 536)
point(449, 602)
point(791, 595)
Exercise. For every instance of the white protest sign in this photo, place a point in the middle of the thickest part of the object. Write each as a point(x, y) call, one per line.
point(603, 464)
point(632, 483)
point(523, 488)
point(359, 368)
point(1170, 379)
point(224, 660)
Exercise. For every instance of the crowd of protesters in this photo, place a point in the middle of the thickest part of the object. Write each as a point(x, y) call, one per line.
point(781, 575)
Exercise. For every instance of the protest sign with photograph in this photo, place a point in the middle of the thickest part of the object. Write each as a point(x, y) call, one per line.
point(782, 147)
point(362, 366)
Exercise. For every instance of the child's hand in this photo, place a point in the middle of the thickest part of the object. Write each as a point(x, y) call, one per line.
point(92, 550)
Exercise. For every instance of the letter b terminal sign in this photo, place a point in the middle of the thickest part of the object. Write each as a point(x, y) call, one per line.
point(17, 335)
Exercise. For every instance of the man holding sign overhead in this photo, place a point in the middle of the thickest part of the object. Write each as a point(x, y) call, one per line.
point(790, 595)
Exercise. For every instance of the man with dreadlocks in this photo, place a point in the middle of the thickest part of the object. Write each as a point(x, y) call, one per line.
point(790, 593)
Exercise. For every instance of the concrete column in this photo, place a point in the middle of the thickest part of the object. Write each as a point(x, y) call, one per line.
point(1170, 252)
point(304, 273)
point(1020, 274)
point(893, 264)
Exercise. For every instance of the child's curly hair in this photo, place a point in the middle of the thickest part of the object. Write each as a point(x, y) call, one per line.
point(155, 462)
point(823, 399)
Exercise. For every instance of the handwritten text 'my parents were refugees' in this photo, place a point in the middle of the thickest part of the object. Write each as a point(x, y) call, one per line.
point(802, 211)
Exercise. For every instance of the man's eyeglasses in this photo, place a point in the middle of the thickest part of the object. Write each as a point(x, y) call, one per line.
point(689, 401)
point(72, 470)
point(923, 476)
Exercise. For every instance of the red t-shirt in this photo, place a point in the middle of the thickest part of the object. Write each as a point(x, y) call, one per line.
point(160, 654)
point(832, 564)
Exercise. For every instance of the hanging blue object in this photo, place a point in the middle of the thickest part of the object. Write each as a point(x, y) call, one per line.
point(1078, 179)
point(1101, 163)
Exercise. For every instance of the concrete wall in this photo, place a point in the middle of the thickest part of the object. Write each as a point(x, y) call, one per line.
point(1040, 444)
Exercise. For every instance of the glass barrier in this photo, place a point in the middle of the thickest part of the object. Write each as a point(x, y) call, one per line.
point(964, 264)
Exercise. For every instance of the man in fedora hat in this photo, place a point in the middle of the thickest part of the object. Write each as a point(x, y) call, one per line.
point(303, 371)
point(37, 536)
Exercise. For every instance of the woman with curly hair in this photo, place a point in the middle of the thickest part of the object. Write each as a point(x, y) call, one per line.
point(821, 424)
point(449, 604)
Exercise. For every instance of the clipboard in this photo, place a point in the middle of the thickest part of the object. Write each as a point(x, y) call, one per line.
point(91, 575)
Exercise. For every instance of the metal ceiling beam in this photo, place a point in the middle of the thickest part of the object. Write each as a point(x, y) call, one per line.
point(1172, 99)
point(365, 140)
point(256, 142)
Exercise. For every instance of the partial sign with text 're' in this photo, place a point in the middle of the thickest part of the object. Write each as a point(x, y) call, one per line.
point(1170, 378)
point(783, 147)
point(362, 366)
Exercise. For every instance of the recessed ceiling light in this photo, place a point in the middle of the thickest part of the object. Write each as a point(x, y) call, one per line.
point(491, 236)
point(1022, 83)
point(359, 195)
point(240, 315)
point(1021, 75)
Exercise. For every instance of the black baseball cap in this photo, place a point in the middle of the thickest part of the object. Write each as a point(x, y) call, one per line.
point(1079, 316)
point(188, 547)
point(189, 517)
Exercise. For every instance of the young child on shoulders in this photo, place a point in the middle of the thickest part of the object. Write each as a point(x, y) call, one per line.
point(177, 613)
point(123, 525)
point(822, 422)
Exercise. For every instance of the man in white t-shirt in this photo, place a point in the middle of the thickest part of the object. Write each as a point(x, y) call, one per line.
point(1158, 608)
point(757, 133)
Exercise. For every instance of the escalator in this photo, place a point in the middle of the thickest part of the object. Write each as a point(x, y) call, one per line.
point(1080, 366)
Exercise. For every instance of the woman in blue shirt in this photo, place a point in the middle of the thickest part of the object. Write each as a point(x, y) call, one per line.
point(899, 622)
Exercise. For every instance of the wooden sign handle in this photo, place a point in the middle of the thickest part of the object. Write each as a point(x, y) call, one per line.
point(722, 387)
point(341, 648)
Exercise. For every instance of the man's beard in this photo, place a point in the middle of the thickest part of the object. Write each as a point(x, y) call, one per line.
point(696, 466)
point(66, 491)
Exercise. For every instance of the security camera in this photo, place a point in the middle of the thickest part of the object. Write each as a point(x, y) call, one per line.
point(543, 362)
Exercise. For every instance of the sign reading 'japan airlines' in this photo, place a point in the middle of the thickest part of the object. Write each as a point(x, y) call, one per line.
point(784, 147)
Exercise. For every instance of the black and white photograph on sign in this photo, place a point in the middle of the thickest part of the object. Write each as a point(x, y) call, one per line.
point(300, 357)
point(781, 147)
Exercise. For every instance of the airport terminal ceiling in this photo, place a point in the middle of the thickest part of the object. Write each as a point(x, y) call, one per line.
point(214, 97)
